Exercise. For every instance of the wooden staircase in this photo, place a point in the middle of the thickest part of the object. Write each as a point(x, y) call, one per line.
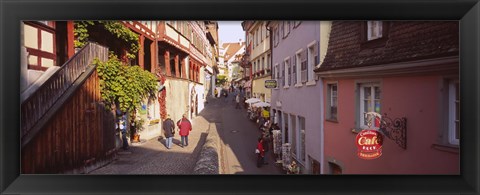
point(65, 128)
point(37, 108)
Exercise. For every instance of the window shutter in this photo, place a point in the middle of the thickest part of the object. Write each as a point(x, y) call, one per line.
point(304, 63)
point(316, 53)
point(289, 72)
point(294, 75)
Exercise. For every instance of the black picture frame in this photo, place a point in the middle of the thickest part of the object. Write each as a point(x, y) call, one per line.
point(12, 12)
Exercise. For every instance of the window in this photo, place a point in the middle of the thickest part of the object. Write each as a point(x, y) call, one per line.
point(264, 28)
point(313, 59)
point(261, 32)
point(263, 63)
point(294, 136)
point(286, 71)
point(369, 101)
point(259, 66)
point(277, 36)
point(286, 28)
point(374, 30)
point(453, 112)
point(296, 23)
point(303, 66)
point(276, 71)
point(315, 166)
point(257, 36)
point(294, 70)
point(282, 28)
point(285, 130)
point(254, 67)
point(298, 66)
point(39, 40)
point(268, 62)
point(282, 74)
point(334, 169)
point(332, 101)
point(301, 121)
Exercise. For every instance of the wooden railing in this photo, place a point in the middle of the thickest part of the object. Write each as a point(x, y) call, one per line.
point(34, 107)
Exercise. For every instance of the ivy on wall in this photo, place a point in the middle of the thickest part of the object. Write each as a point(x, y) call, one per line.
point(124, 86)
point(116, 28)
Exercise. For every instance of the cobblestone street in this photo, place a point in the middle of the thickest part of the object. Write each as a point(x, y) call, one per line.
point(152, 157)
point(237, 140)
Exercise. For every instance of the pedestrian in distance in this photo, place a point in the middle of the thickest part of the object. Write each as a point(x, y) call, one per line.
point(265, 142)
point(225, 95)
point(261, 122)
point(260, 152)
point(168, 131)
point(123, 128)
point(237, 99)
point(184, 127)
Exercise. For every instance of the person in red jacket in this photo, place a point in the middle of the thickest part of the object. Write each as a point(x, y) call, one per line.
point(261, 155)
point(184, 127)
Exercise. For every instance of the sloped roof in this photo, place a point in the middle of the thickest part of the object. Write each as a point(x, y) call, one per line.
point(231, 49)
point(406, 41)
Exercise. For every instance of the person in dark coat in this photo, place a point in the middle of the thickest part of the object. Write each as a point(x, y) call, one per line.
point(265, 142)
point(123, 128)
point(168, 131)
point(225, 94)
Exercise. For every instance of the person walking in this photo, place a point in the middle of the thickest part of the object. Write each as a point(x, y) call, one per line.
point(225, 94)
point(123, 127)
point(168, 131)
point(265, 142)
point(184, 127)
point(260, 152)
point(237, 99)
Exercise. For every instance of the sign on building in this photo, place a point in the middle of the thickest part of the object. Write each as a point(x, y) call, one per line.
point(271, 84)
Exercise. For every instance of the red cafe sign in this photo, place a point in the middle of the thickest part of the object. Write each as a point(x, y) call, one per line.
point(369, 144)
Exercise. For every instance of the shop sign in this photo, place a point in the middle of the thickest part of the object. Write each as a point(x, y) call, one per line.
point(369, 144)
point(271, 84)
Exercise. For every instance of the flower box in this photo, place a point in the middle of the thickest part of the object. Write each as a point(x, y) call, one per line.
point(154, 121)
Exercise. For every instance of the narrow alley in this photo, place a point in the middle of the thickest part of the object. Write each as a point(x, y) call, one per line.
point(238, 137)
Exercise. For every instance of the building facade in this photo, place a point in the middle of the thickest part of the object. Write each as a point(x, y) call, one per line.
point(407, 72)
point(232, 56)
point(259, 56)
point(178, 52)
point(296, 103)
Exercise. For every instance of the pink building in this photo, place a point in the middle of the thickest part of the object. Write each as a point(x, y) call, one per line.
point(406, 70)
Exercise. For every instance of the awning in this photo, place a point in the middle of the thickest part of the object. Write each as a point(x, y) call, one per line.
point(209, 69)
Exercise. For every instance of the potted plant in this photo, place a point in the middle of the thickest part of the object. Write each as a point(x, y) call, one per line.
point(138, 126)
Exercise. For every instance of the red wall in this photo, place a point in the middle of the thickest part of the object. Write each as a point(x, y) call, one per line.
point(416, 98)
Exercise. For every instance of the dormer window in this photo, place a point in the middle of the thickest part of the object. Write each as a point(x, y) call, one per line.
point(374, 30)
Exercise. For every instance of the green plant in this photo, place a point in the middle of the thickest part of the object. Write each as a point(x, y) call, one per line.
point(124, 86)
point(221, 79)
point(139, 123)
point(81, 32)
point(114, 27)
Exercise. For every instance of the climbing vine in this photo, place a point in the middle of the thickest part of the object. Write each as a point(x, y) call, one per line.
point(124, 86)
point(114, 27)
point(162, 98)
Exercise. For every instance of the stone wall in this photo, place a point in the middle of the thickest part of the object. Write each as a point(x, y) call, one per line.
point(208, 161)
